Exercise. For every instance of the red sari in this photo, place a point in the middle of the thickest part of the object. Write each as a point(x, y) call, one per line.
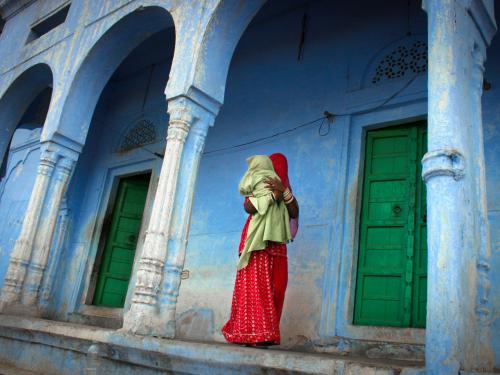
point(259, 293)
point(259, 290)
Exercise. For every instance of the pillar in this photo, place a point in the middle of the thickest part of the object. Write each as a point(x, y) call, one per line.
point(21, 254)
point(45, 233)
point(458, 314)
point(144, 316)
point(179, 230)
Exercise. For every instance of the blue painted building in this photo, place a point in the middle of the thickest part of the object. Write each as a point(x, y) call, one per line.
point(125, 124)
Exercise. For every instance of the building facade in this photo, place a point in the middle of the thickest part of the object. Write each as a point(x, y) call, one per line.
point(125, 129)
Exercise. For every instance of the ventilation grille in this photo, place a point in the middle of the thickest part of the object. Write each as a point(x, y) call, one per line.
point(401, 62)
point(142, 133)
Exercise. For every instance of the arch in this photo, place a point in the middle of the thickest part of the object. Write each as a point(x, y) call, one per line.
point(211, 64)
point(17, 99)
point(100, 64)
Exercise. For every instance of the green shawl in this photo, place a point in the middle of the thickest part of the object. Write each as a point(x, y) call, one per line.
point(271, 221)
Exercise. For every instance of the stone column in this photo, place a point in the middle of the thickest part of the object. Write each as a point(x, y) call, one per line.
point(143, 317)
point(21, 254)
point(58, 245)
point(179, 230)
point(458, 316)
point(45, 233)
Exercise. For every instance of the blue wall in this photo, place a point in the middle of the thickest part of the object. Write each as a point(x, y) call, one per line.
point(491, 126)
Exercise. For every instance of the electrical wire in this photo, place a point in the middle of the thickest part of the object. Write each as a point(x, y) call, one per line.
point(329, 117)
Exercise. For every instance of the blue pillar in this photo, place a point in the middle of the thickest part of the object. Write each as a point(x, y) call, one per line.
point(458, 335)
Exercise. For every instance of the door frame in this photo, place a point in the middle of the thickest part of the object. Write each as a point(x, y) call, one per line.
point(84, 293)
point(341, 266)
point(105, 231)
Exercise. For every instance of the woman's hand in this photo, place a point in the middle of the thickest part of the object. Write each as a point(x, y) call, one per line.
point(276, 187)
point(274, 184)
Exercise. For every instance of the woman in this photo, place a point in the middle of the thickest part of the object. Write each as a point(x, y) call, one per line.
point(259, 290)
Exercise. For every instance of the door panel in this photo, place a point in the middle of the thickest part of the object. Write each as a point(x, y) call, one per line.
point(392, 262)
point(119, 251)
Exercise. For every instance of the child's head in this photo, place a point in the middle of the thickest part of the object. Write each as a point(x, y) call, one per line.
point(260, 162)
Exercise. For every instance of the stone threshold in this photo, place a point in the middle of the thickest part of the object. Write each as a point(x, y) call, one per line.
point(112, 350)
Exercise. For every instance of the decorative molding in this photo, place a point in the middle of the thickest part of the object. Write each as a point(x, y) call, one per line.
point(405, 60)
point(149, 276)
point(444, 162)
point(9, 8)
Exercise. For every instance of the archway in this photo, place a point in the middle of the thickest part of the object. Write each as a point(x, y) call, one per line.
point(17, 99)
point(101, 63)
point(23, 110)
point(117, 109)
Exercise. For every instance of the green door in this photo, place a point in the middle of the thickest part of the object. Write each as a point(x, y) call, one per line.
point(119, 251)
point(391, 287)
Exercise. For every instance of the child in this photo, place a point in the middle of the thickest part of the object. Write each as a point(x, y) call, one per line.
point(271, 221)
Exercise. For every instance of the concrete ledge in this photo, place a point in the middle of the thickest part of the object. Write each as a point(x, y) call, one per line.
point(65, 348)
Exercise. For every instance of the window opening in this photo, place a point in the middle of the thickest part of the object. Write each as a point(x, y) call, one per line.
point(49, 23)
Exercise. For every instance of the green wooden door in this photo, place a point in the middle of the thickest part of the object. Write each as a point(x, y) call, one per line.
point(119, 251)
point(391, 286)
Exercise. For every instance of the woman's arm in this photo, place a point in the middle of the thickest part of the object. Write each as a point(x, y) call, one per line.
point(293, 209)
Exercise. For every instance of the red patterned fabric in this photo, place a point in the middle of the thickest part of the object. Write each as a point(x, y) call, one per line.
point(259, 293)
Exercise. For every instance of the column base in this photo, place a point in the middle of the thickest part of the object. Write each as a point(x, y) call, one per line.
point(145, 321)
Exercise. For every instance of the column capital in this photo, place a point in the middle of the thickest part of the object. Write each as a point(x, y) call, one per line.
point(48, 160)
point(480, 12)
point(60, 150)
point(65, 166)
point(185, 108)
point(483, 15)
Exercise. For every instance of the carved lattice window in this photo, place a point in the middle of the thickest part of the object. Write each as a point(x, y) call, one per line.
point(401, 62)
point(142, 133)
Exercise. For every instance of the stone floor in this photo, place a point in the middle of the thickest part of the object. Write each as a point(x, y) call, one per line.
point(50, 347)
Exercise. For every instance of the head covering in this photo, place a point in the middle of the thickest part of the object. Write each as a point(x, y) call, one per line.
point(260, 168)
point(280, 165)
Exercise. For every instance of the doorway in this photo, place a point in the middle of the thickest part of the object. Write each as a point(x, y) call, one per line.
point(391, 288)
point(121, 241)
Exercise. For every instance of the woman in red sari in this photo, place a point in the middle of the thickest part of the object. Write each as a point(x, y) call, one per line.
point(259, 290)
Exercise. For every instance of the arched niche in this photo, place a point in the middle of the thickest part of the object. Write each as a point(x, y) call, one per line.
point(100, 64)
point(116, 108)
point(23, 110)
point(18, 98)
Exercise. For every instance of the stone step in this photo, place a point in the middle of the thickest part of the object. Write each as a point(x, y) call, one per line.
point(6, 369)
point(67, 348)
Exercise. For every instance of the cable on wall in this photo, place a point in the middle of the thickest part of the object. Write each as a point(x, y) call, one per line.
point(325, 125)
